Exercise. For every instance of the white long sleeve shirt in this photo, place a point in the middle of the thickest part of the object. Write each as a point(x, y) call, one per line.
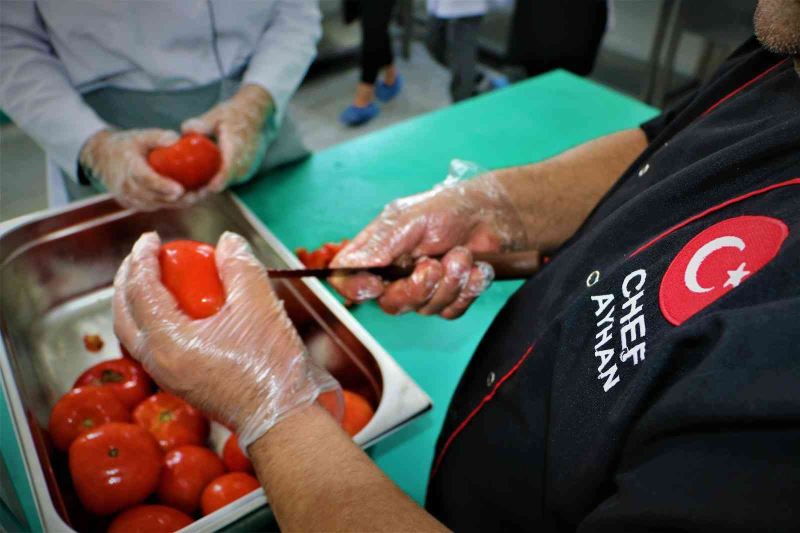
point(53, 50)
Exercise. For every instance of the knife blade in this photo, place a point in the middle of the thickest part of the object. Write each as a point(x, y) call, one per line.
point(507, 266)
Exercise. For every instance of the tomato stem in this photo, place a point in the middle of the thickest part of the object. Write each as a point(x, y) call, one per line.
point(110, 376)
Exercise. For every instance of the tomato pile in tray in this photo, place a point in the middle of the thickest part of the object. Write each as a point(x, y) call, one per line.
point(142, 456)
point(141, 459)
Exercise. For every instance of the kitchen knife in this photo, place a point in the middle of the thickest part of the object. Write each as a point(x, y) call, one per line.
point(511, 265)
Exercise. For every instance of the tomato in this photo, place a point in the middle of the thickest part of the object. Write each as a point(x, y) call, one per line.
point(226, 489)
point(333, 248)
point(114, 466)
point(234, 459)
point(187, 470)
point(172, 421)
point(124, 377)
point(82, 410)
point(189, 271)
point(357, 412)
point(331, 402)
point(322, 256)
point(302, 255)
point(149, 519)
point(192, 161)
point(93, 343)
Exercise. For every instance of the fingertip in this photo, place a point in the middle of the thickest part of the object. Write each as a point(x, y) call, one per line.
point(358, 287)
point(237, 265)
point(232, 244)
point(219, 182)
point(196, 125)
point(168, 137)
point(146, 246)
point(155, 184)
point(487, 275)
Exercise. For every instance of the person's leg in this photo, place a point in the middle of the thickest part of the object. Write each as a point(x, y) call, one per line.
point(462, 37)
point(436, 39)
point(376, 46)
point(376, 53)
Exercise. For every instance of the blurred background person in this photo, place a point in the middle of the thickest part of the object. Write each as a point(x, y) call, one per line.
point(98, 84)
point(376, 56)
point(452, 39)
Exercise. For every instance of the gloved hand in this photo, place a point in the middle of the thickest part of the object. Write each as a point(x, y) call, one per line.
point(118, 159)
point(238, 125)
point(245, 366)
point(456, 218)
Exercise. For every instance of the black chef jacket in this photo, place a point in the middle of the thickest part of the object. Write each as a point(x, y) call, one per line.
point(648, 378)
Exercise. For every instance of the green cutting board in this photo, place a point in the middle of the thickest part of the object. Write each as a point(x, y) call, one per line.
point(334, 193)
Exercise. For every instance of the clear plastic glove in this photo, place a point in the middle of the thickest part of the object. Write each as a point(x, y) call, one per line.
point(118, 159)
point(238, 126)
point(245, 366)
point(456, 218)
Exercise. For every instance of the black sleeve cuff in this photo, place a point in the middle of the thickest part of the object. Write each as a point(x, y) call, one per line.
point(83, 176)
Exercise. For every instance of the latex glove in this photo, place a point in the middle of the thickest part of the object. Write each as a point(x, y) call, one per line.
point(118, 159)
point(245, 365)
point(456, 218)
point(238, 126)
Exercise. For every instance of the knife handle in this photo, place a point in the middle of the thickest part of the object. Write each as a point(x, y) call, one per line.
point(507, 266)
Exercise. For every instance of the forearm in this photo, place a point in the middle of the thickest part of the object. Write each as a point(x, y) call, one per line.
point(256, 98)
point(36, 91)
point(554, 197)
point(316, 479)
point(285, 51)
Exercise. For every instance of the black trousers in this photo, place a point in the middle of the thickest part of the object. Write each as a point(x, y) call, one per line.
point(376, 46)
point(454, 44)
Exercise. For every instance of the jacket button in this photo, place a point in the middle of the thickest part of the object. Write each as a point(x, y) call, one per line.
point(644, 169)
point(490, 379)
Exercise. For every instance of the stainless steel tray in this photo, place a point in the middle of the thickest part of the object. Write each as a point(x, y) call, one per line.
point(56, 271)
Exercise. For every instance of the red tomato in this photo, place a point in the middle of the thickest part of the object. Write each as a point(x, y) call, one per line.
point(114, 466)
point(333, 248)
point(192, 161)
point(302, 254)
point(187, 470)
point(226, 489)
point(322, 256)
point(124, 377)
point(189, 271)
point(357, 412)
point(82, 410)
point(93, 343)
point(149, 519)
point(234, 459)
point(172, 421)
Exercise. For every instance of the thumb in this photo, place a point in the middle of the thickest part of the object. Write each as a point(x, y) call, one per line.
point(242, 274)
point(205, 123)
point(381, 243)
point(154, 138)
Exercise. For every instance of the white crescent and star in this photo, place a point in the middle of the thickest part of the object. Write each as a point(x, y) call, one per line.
point(735, 277)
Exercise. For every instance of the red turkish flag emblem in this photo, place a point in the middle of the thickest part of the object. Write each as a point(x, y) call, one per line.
point(716, 261)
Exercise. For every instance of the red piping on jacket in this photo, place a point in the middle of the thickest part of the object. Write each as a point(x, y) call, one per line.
point(743, 87)
point(793, 181)
point(475, 411)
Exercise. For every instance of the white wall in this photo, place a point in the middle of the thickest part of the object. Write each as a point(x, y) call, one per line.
point(634, 25)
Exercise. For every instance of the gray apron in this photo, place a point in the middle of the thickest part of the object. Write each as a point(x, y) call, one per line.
point(127, 109)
